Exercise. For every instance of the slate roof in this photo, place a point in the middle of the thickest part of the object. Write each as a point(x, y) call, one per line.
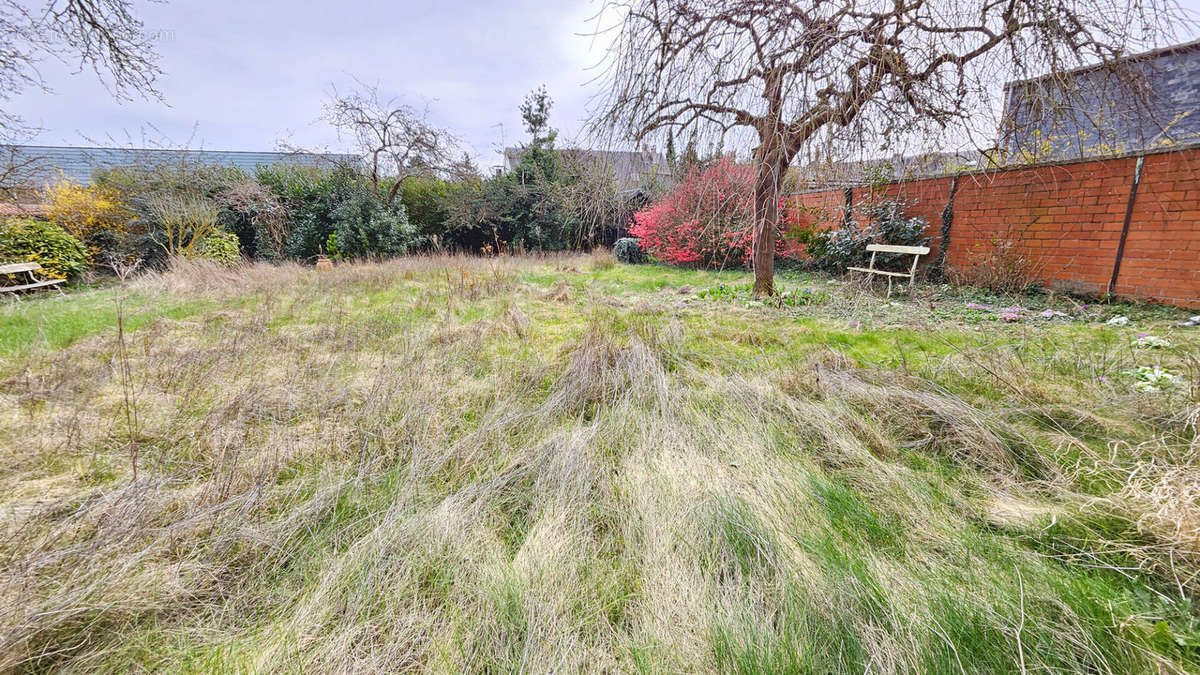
point(78, 163)
point(1141, 102)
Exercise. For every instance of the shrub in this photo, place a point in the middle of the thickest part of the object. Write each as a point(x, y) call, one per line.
point(181, 221)
point(552, 200)
point(835, 250)
point(322, 202)
point(629, 251)
point(594, 208)
point(489, 213)
point(173, 206)
point(367, 227)
point(309, 195)
point(258, 218)
point(886, 223)
point(220, 247)
point(95, 215)
point(707, 220)
point(26, 240)
point(426, 201)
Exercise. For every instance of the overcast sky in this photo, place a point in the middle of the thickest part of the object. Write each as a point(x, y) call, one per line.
point(248, 75)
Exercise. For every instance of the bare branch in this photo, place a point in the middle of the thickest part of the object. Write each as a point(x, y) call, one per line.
point(103, 36)
point(396, 140)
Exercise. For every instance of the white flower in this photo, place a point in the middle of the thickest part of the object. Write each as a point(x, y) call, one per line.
point(1118, 321)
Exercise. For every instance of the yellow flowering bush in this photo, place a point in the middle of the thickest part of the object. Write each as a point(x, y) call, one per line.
point(92, 214)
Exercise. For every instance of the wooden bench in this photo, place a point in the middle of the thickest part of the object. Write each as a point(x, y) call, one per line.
point(28, 268)
point(915, 251)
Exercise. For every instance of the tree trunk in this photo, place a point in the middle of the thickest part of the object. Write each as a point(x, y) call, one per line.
point(769, 168)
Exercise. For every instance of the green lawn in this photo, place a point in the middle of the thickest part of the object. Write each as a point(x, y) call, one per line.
point(563, 464)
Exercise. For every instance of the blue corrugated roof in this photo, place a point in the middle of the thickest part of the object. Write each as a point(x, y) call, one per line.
point(78, 163)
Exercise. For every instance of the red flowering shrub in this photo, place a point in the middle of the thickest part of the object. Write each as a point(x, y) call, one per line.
point(707, 220)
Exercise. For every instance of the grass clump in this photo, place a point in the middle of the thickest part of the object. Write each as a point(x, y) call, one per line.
point(457, 464)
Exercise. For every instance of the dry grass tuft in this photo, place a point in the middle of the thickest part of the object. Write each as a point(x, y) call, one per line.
point(601, 258)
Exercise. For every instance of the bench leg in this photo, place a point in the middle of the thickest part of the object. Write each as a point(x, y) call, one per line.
point(889, 293)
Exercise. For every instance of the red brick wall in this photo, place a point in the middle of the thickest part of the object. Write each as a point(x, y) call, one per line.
point(1066, 219)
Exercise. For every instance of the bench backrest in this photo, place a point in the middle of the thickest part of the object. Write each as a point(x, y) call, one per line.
point(888, 248)
point(13, 268)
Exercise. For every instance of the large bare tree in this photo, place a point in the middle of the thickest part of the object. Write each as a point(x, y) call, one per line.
point(796, 73)
point(397, 140)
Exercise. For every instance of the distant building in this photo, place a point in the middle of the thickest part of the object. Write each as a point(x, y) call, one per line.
point(630, 169)
point(1141, 102)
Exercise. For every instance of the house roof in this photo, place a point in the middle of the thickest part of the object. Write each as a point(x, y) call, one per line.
point(1149, 55)
point(45, 162)
point(1136, 103)
point(19, 209)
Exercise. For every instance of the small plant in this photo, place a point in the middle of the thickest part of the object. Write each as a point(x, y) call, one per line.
point(220, 247)
point(721, 292)
point(744, 294)
point(26, 240)
point(1144, 341)
point(1152, 378)
point(797, 298)
point(331, 248)
point(123, 266)
point(1003, 268)
point(629, 251)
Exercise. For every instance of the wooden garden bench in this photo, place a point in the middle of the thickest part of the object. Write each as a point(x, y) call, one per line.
point(915, 251)
point(28, 268)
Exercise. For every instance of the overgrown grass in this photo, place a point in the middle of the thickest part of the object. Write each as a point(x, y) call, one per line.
point(454, 464)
